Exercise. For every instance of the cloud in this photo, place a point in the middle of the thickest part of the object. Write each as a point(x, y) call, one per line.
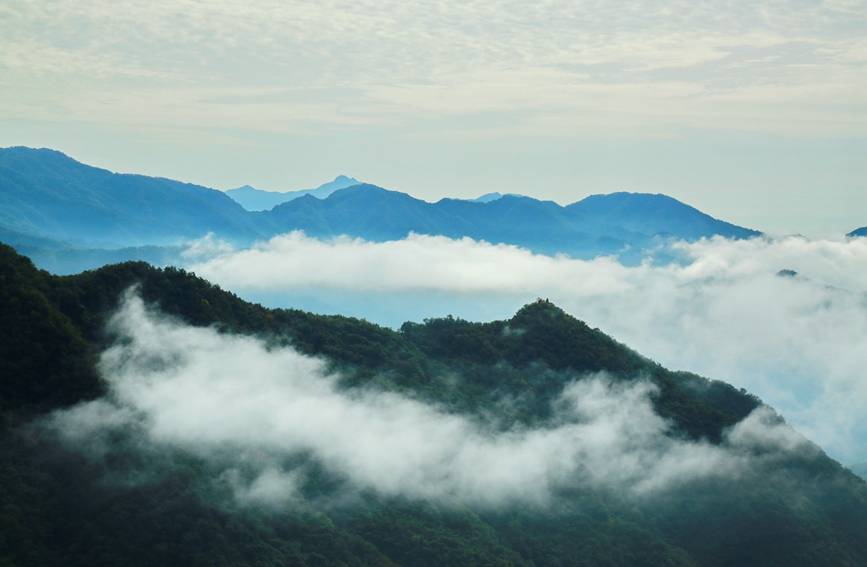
point(649, 65)
point(722, 310)
point(263, 415)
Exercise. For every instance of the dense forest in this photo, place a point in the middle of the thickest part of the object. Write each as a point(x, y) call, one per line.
point(58, 507)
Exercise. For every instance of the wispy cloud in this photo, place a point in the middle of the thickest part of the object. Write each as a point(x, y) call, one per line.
point(261, 415)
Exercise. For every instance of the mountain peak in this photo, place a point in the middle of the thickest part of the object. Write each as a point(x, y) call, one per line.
point(540, 307)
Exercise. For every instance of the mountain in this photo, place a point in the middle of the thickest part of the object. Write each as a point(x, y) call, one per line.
point(650, 215)
point(600, 224)
point(93, 213)
point(106, 502)
point(254, 199)
point(858, 232)
point(488, 197)
point(48, 194)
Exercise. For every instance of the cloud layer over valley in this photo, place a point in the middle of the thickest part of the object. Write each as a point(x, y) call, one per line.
point(723, 310)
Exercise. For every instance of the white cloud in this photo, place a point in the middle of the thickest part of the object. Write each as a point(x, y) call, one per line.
point(797, 342)
point(401, 59)
point(250, 409)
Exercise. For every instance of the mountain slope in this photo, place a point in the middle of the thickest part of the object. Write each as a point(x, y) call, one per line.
point(253, 199)
point(60, 508)
point(45, 193)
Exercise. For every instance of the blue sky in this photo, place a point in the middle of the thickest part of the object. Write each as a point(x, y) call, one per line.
point(755, 112)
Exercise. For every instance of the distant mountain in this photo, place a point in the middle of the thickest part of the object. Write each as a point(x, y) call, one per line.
point(488, 197)
point(51, 204)
point(647, 214)
point(120, 498)
point(62, 258)
point(600, 224)
point(254, 199)
point(48, 194)
point(858, 232)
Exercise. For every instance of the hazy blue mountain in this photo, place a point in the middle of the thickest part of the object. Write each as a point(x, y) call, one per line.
point(52, 205)
point(254, 199)
point(647, 214)
point(597, 224)
point(858, 232)
point(61, 258)
point(488, 197)
point(46, 193)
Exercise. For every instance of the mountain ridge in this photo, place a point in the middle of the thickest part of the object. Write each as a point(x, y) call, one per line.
point(46, 194)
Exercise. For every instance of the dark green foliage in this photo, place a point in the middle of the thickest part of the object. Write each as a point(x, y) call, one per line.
point(57, 508)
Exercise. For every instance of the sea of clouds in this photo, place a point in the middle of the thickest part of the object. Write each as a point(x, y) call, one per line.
point(722, 309)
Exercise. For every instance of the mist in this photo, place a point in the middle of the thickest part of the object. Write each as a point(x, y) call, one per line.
point(263, 416)
point(722, 309)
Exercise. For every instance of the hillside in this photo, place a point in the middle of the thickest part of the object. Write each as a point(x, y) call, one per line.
point(62, 506)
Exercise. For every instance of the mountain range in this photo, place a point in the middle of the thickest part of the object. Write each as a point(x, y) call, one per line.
point(51, 202)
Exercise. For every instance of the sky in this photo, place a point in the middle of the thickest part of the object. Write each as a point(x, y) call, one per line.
point(755, 112)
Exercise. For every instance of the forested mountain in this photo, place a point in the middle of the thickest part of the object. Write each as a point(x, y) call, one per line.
point(63, 506)
point(47, 195)
point(254, 199)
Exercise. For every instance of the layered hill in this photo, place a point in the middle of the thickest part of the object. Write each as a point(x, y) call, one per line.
point(63, 505)
point(47, 195)
point(254, 199)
